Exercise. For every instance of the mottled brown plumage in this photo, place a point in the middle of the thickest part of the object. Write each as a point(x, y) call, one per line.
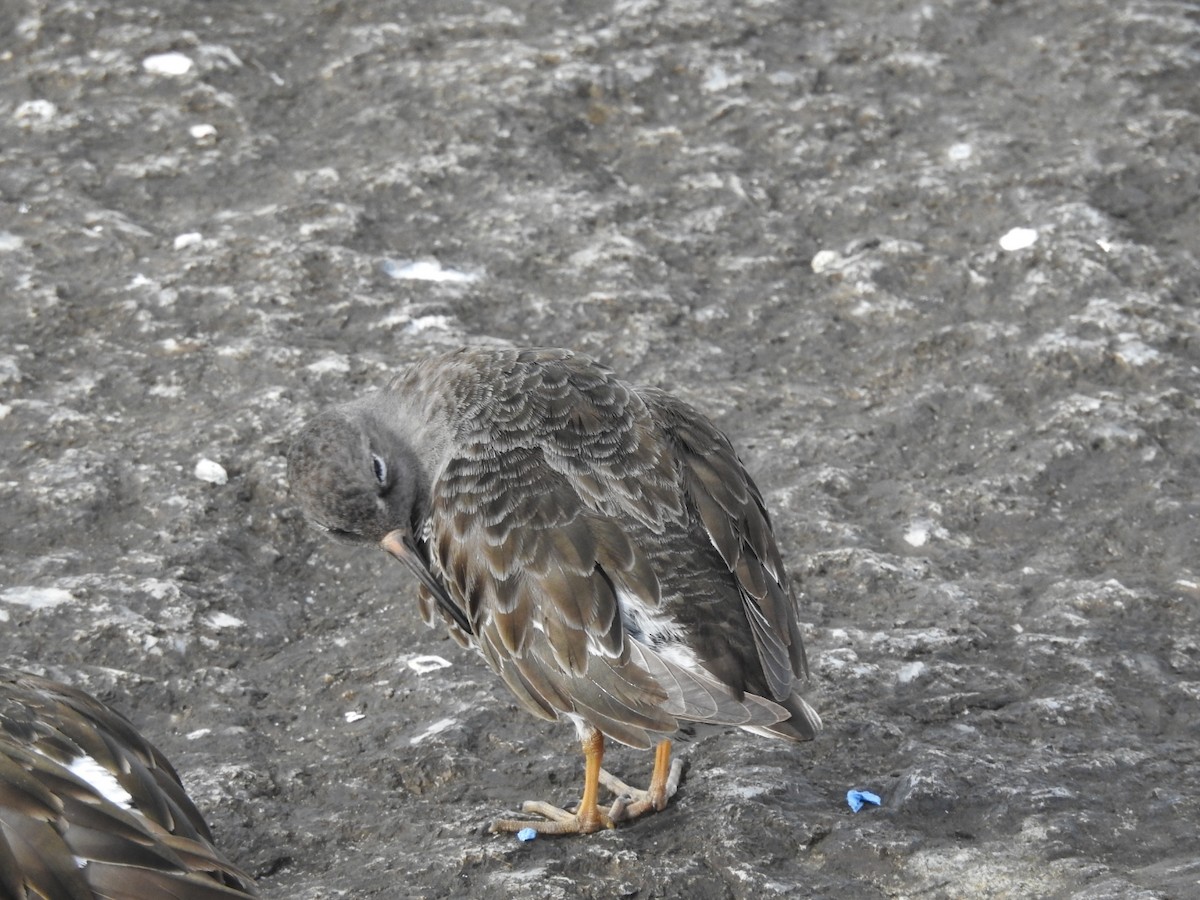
point(600, 545)
point(64, 832)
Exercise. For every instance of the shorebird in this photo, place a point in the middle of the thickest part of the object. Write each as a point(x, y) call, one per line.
point(90, 809)
point(600, 545)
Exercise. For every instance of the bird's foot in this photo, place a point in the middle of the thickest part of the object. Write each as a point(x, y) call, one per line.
point(633, 802)
point(630, 803)
point(556, 820)
point(588, 817)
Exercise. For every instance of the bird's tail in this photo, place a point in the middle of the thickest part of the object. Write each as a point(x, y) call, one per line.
point(802, 725)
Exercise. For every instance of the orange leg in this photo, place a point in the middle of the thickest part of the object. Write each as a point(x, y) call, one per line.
point(664, 782)
point(588, 816)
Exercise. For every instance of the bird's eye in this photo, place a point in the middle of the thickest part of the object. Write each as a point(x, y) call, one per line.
point(380, 468)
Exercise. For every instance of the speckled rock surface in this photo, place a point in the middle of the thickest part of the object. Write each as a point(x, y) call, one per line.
point(932, 265)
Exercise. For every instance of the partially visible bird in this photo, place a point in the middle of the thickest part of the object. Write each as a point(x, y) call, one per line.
point(91, 810)
point(600, 545)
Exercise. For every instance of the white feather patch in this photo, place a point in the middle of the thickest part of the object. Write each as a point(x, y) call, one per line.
point(101, 780)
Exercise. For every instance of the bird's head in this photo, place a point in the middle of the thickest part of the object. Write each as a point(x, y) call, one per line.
point(353, 479)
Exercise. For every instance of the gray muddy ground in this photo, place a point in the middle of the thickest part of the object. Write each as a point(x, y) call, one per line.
point(932, 265)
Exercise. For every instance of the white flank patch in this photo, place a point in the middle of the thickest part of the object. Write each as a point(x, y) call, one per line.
point(171, 64)
point(35, 597)
point(423, 664)
point(102, 780)
point(212, 472)
point(1018, 239)
point(190, 239)
point(198, 733)
point(657, 631)
point(436, 728)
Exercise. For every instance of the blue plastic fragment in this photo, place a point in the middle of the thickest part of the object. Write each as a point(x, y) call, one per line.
point(856, 799)
point(526, 834)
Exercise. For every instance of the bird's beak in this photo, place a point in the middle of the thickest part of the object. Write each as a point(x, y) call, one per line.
point(400, 544)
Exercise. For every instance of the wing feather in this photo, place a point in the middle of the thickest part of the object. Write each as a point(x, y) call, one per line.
point(61, 836)
point(545, 519)
point(730, 509)
point(539, 591)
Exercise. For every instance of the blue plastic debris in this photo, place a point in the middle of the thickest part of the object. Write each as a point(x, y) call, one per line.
point(856, 799)
point(526, 834)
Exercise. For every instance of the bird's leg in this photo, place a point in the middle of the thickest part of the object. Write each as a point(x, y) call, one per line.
point(587, 817)
point(664, 782)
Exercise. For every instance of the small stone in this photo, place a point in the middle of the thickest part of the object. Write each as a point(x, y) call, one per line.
point(35, 111)
point(1018, 239)
point(212, 472)
point(169, 64)
point(959, 152)
point(203, 133)
point(825, 260)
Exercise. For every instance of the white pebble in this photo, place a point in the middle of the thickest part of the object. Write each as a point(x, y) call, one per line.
point(917, 534)
point(1018, 239)
point(203, 133)
point(173, 64)
point(212, 472)
point(423, 664)
point(959, 152)
point(188, 240)
point(825, 260)
point(221, 620)
point(425, 270)
point(35, 110)
point(353, 716)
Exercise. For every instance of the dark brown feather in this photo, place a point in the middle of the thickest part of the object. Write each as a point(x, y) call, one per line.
point(61, 837)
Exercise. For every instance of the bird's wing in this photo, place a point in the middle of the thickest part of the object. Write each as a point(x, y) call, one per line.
point(44, 728)
point(532, 528)
point(645, 456)
point(729, 507)
point(537, 574)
